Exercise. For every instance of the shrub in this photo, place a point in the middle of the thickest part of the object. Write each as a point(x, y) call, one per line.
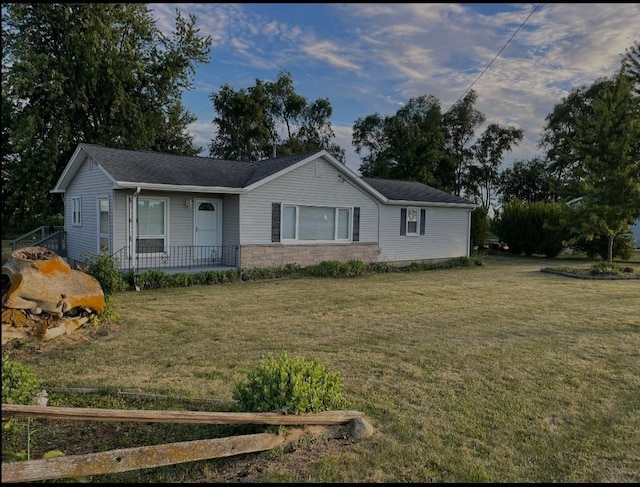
point(479, 226)
point(19, 382)
point(532, 228)
point(105, 269)
point(153, 279)
point(354, 268)
point(327, 268)
point(605, 269)
point(292, 385)
point(598, 247)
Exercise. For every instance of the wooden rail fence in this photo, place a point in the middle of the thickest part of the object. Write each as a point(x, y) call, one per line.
point(123, 460)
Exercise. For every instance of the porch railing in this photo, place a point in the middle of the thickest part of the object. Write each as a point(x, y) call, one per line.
point(52, 237)
point(178, 257)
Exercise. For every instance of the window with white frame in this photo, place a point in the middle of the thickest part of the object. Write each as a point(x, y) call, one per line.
point(152, 225)
point(76, 210)
point(413, 224)
point(103, 224)
point(412, 221)
point(311, 223)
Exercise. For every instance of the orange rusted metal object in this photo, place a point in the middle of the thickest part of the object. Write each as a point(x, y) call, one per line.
point(37, 279)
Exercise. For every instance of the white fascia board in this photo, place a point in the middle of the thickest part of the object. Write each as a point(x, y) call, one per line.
point(72, 168)
point(431, 203)
point(177, 187)
point(69, 170)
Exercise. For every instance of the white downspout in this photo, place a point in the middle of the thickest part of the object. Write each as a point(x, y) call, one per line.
point(469, 234)
point(133, 230)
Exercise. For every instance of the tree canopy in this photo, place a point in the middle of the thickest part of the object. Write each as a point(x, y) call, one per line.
point(407, 145)
point(268, 119)
point(419, 143)
point(483, 173)
point(527, 181)
point(88, 72)
point(606, 141)
point(460, 124)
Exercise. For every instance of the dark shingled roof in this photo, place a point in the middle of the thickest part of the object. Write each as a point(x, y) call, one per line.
point(147, 167)
point(157, 168)
point(413, 191)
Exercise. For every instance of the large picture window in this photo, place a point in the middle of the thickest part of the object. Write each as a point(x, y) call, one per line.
point(152, 225)
point(311, 223)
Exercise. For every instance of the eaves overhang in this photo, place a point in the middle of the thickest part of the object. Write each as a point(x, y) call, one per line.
point(178, 188)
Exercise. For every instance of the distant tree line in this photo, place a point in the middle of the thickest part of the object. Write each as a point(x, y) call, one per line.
point(105, 74)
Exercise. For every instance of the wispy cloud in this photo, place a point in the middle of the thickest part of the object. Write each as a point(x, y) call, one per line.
point(372, 58)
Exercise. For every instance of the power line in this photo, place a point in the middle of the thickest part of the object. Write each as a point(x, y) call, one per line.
point(499, 52)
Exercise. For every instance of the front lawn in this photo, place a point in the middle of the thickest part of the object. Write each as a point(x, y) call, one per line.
point(498, 373)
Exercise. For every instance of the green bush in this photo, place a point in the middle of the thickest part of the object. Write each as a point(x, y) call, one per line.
point(479, 226)
point(291, 385)
point(605, 269)
point(598, 247)
point(328, 268)
point(532, 228)
point(19, 383)
point(105, 269)
point(354, 268)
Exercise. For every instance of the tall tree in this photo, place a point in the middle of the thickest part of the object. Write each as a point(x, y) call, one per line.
point(488, 150)
point(254, 123)
point(245, 129)
point(408, 145)
point(565, 166)
point(527, 181)
point(607, 142)
point(631, 65)
point(460, 124)
point(88, 72)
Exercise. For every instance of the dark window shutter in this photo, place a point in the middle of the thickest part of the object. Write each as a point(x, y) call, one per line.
point(275, 222)
point(356, 224)
point(423, 218)
point(403, 221)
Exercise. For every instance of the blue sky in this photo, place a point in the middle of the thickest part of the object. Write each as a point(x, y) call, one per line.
point(372, 58)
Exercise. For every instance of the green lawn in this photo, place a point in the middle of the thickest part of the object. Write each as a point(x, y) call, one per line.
point(499, 373)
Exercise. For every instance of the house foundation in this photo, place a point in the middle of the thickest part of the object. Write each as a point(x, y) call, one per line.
point(278, 255)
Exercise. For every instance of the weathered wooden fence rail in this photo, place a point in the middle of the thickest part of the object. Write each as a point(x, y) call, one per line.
point(123, 460)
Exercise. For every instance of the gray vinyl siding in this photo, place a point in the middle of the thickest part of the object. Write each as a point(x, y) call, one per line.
point(89, 184)
point(446, 235)
point(181, 217)
point(302, 186)
point(230, 219)
point(120, 219)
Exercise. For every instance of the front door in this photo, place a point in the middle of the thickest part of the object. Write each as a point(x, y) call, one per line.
point(208, 220)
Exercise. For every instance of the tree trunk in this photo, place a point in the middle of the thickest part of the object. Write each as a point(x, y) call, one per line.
point(610, 249)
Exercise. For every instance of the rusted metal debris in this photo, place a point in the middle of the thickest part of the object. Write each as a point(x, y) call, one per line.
point(43, 297)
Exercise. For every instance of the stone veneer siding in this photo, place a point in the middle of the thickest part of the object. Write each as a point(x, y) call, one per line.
point(278, 255)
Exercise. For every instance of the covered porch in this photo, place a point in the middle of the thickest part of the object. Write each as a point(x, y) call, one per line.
point(178, 258)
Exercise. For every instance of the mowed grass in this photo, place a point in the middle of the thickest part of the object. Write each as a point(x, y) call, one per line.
point(499, 373)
